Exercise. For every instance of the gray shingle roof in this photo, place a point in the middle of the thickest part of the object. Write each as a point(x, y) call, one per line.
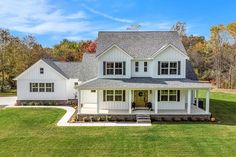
point(85, 70)
point(138, 44)
point(142, 83)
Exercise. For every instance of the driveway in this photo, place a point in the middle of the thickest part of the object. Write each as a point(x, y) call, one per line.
point(9, 101)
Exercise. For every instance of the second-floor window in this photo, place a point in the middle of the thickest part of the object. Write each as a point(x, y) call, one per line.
point(114, 68)
point(145, 66)
point(136, 66)
point(169, 68)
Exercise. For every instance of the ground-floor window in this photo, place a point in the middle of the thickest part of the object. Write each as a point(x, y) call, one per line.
point(114, 95)
point(41, 87)
point(168, 95)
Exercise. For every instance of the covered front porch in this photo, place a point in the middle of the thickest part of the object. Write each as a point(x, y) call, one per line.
point(143, 96)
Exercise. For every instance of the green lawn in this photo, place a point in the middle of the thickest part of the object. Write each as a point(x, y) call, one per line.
point(32, 132)
point(11, 92)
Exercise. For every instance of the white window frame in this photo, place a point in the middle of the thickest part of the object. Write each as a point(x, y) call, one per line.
point(168, 95)
point(145, 67)
point(114, 94)
point(41, 70)
point(50, 88)
point(114, 68)
point(136, 66)
point(168, 68)
point(41, 88)
point(118, 68)
point(35, 86)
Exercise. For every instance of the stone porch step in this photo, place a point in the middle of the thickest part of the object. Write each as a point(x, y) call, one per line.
point(140, 118)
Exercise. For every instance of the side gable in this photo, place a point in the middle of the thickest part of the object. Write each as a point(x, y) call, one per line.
point(33, 72)
point(114, 46)
point(162, 50)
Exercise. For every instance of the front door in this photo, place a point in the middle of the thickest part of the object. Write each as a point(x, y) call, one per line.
point(140, 98)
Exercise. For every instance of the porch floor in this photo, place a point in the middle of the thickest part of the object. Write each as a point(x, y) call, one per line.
point(91, 109)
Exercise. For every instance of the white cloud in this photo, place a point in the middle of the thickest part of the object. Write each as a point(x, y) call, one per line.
point(39, 17)
point(123, 20)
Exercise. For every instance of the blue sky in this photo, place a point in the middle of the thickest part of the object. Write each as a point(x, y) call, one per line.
point(51, 21)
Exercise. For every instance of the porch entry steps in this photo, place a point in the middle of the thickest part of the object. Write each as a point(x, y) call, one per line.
point(143, 118)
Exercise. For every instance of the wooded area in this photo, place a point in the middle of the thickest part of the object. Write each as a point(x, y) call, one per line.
point(213, 60)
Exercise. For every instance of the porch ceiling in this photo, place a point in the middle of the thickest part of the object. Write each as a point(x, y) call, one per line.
point(143, 83)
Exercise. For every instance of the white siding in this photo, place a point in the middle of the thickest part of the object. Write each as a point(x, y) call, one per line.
point(170, 54)
point(71, 90)
point(88, 97)
point(141, 72)
point(113, 105)
point(114, 54)
point(50, 76)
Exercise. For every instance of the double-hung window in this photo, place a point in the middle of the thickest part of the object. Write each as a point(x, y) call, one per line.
point(114, 68)
point(169, 95)
point(41, 87)
point(34, 87)
point(164, 68)
point(49, 87)
point(169, 68)
point(118, 68)
point(114, 95)
point(110, 68)
point(41, 70)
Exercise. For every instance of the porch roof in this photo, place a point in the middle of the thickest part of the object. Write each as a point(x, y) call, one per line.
point(142, 83)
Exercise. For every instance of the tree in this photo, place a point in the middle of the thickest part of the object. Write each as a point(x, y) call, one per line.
point(180, 27)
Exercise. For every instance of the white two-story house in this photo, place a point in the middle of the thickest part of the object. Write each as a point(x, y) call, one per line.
point(130, 73)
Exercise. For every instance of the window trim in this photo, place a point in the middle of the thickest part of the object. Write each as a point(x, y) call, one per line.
point(136, 65)
point(35, 87)
point(114, 68)
point(41, 70)
point(168, 95)
point(114, 95)
point(145, 66)
point(168, 67)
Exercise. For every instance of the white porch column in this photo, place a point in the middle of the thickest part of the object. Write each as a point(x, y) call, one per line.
point(197, 99)
point(155, 102)
point(98, 104)
point(129, 100)
point(79, 101)
point(189, 101)
point(207, 100)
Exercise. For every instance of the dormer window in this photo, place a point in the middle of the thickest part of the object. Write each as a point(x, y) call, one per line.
point(170, 68)
point(41, 70)
point(114, 68)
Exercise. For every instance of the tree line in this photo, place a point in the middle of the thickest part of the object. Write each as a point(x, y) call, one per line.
point(213, 60)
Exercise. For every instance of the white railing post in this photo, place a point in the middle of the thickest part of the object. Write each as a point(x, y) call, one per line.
point(189, 101)
point(98, 103)
point(155, 102)
point(79, 101)
point(207, 100)
point(129, 101)
point(197, 99)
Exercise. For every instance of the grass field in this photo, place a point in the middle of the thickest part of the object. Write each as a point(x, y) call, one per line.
point(32, 132)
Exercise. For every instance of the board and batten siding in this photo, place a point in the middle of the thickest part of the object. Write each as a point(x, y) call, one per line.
point(141, 72)
point(114, 54)
point(170, 54)
point(49, 76)
point(174, 105)
point(113, 105)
